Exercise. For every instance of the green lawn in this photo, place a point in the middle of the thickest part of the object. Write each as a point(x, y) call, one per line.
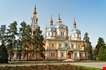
point(47, 67)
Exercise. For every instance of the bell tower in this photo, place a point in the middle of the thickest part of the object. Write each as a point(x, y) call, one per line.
point(34, 24)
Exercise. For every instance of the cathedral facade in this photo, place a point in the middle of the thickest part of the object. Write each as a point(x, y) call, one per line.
point(59, 45)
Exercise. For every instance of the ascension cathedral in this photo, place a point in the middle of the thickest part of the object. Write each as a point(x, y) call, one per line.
point(59, 44)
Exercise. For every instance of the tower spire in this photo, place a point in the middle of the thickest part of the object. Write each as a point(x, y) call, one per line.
point(51, 21)
point(74, 24)
point(59, 19)
point(34, 24)
point(35, 6)
point(34, 10)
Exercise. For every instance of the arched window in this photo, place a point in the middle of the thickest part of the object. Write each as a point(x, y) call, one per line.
point(62, 54)
point(59, 45)
point(52, 34)
point(52, 45)
point(72, 46)
point(62, 34)
point(66, 44)
point(48, 33)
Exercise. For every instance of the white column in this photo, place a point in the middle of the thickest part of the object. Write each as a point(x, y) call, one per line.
point(65, 54)
point(78, 57)
point(73, 55)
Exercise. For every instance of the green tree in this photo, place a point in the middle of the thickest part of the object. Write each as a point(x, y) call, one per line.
point(100, 48)
point(88, 47)
point(3, 54)
point(11, 37)
point(102, 53)
point(28, 40)
point(3, 49)
point(37, 42)
point(3, 34)
point(12, 33)
point(25, 35)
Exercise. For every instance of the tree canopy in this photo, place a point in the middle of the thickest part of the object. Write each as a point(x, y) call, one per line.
point(21, 38)
point(88, 47)
point(100, 49)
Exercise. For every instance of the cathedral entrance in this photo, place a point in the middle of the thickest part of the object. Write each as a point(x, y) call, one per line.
point(69, 54)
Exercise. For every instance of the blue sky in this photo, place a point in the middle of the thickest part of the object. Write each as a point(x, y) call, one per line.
point(90, 14)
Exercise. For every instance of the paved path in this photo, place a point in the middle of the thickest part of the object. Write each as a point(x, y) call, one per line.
point(88, 64)
point(91, 64)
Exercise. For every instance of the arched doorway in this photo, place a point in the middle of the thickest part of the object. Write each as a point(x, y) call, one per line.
point(69, 54)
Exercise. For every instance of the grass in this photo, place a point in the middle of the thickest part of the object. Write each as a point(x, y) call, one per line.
point(48, 67)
